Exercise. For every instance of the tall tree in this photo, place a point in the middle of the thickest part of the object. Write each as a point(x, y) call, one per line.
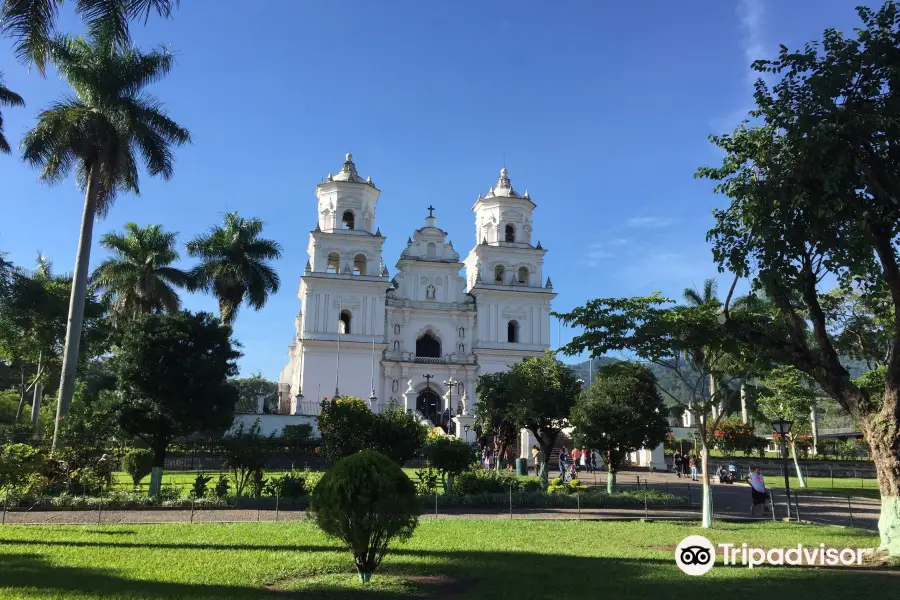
point(99, 132)
point(172, 372)
point(785, 394)
point(539, 393)
point(621, 412)
point(33, 326)
point(686, 341)
point(493, 409)
point(234, 265)
point(7, 98)
point(32, 23)
point(813, 186)
point(250, 389)
point(139, 278)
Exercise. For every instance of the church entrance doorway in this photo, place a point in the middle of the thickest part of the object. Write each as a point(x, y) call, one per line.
point(429, 404)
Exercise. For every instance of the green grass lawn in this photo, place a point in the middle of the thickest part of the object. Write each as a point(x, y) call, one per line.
point(867, 488)
point(475, 559)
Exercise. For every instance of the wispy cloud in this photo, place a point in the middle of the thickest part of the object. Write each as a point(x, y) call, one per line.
point(751, 17)
point(650, 222)
point(751, 13)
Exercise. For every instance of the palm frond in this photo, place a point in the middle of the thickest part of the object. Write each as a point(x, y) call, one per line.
point(30, 24)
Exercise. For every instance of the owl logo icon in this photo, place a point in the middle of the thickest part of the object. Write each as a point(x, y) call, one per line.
point(695, 555)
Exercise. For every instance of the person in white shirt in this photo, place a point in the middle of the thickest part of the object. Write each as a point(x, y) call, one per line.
point(758, 491)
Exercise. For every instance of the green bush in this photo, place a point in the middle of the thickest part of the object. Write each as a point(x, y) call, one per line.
point(450, 456)
point(18, 462)
point(246, 453)
point(294, 435)
point(291, 485)
point(530, 484)
point(222, 487)
point(426, 481)
point(572, 487)
point(138, 463)
point(201, 483)
point(346, 425)
point(398, 435)
point(485, 481)
point(258, 484)
point(366, 500)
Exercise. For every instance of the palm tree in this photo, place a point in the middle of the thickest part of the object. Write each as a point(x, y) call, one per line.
point(7, 98)
point(695, 297)
point(233, 265)
point(32, 23)
point(139, 278)
point(100, 132)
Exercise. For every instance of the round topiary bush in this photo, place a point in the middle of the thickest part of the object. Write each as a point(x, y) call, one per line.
point(138, 463)
point(366, 500)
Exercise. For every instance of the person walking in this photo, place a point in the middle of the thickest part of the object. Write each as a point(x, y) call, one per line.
point(563, 459)
point(758, 493)
point(692, 463)
point(593, 459)
point(676, 462)
point(582, 458)
point(575, 455)
point(536, 457)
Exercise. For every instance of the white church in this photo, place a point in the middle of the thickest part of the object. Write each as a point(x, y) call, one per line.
point(419, 337)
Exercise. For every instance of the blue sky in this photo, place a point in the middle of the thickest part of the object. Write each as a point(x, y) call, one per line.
point(601, 110)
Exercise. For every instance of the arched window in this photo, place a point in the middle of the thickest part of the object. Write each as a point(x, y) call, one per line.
point(462, 348)
point(510, 233)
point(523, 275)
point(431, 250)
point(344, 322)
point(428, 346)
point(359, 264)
point(512, 332)
point(396, 345)
point(348, 220)
point(334, 263)
point(499, 270)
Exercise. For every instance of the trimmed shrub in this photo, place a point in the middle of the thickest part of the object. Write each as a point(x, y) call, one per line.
point(346, 425)
point(291, 485)
point(366, 500)
point(138, 463)
point(450, 456)
point(485, 481)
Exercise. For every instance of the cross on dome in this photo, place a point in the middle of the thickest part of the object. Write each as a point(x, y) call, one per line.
point(430, 211)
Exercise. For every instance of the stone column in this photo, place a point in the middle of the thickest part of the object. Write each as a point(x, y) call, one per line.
point(461, 421)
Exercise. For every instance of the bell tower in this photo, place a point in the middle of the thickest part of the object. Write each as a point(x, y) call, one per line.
point(504, 271)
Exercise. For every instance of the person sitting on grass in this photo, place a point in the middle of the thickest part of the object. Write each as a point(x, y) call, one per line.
point(758, 492)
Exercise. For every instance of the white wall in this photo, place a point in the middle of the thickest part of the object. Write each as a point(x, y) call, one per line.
point(269, 424)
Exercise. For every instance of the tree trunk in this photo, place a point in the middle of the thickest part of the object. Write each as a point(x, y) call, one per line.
point(76, 305)
point(22, 395)
point(159, 453)
point(36, 401)
point(745, 417)
point(611, 480)
point(706, 522)
point(883, 437)
point(797, 464)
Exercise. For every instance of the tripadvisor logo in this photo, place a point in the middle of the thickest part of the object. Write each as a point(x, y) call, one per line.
point(696, 555)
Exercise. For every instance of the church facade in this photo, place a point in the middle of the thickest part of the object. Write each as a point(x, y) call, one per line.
point(418, 338)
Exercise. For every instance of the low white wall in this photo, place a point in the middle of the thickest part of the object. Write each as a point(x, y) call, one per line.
point(275, 423)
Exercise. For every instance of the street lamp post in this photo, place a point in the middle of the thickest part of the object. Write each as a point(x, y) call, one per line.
point(783, 427)
point(466, 429)
point(428, 377)
point(450, 383)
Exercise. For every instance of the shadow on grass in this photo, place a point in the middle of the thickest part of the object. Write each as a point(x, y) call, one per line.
point(472, 575)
